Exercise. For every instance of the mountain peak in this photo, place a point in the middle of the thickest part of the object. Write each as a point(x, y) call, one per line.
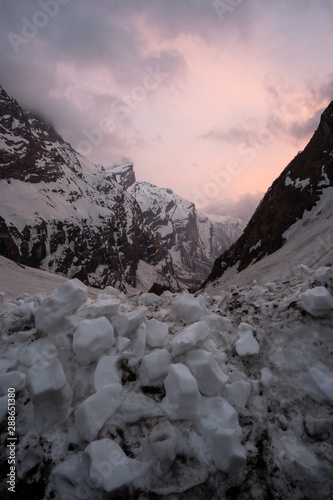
point(124, 173)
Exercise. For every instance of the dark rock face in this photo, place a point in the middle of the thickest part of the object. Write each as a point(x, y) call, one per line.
point(62, 214)
point(32, 153)
point(297, 189)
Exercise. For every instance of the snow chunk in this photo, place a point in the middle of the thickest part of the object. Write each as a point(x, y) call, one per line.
point(122, 343)
point(155, 367)
point(108, 467)
point(136, 406)
point(91, 338)
point(127, 323)
point(53, 315)
point(139, 341)
point(39, 350)
point(67, 480)
point(13, 379)
point(182, 399)
point(110, 290)
point(207, 371)
point(246, 344)
point(18, 318)
point(50, 394)
point(317, 301)
point(318, 384)
point(163, 441)
point(106, 372)
point(190, 337)
point(296, 458)
point(92, 414)
point(323, 274)
point(228, 453)
point(217, 412)
point(101, 307)
point(157, 333)
point(238, 392)
point(267, 378)
point(187, 308)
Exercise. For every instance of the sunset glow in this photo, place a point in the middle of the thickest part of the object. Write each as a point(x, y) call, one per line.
point(211, 104)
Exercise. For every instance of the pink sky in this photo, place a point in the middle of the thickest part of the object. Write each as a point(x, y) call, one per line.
point(213, 105)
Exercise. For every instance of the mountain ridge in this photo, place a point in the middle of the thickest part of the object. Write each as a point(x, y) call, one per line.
point(193, 238)
point(62, 213)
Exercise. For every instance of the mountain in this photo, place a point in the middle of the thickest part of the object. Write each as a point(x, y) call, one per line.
point(62, 213)
point(295, 216)
point(193, 239)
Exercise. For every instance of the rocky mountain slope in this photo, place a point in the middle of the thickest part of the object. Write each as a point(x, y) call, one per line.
point(193, 239)
point(282, 216)
point(62, 213)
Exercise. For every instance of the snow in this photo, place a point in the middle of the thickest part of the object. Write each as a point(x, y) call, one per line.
point(246, 344)
point(13, 379)
point(317, 301)
point(155, 367)
point(92, 338)
point(171, 403)
point(107, 465)
point(190, 337)
point(127, 323)
point(238, 392)
point(55, 312)
point(228, 454)
point(92, 414)
point(50, 394)
point(157, 333)
point(182, 396)
point(187, 308)
point(163, 440)
point(106, 372)
point(206, 371)
point(298, 184)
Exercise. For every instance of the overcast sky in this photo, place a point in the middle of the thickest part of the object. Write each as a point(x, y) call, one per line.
point(210, 98)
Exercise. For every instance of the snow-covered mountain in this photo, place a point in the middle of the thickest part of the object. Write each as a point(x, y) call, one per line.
point(62, 213)
point(295, 218)
point(194, 239)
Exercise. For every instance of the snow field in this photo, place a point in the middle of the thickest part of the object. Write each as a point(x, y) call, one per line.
point(173, 395)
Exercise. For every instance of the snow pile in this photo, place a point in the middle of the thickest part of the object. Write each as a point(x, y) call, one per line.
point(172, 395)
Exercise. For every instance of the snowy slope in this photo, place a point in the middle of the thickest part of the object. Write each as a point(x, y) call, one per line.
point(217, 396)
point(308, 242)
point(194, 239)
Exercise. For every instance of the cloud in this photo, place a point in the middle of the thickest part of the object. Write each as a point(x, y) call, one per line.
point(292, 114)
point(232, 79)
point(243, 207)
point(236, 134)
